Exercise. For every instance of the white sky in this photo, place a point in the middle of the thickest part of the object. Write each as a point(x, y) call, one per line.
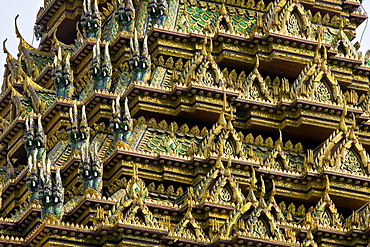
point(27, 11)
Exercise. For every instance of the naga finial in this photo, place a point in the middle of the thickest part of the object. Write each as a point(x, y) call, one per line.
point(116, 106)
point(16, 28)
point(6, 51)
point(98, 47)
point(39, 124)
point(30, 126)
point(85, 6)
point(4, 47)
point(136, 42)
point(58, 179)
point(67, 63)
point(145, 51)
point(95, 53)
point(83, 116)
point(55, 39)
point(126, 109)
point(106, 53)
point(96, 7)
point(59, 53)
point(73, 113)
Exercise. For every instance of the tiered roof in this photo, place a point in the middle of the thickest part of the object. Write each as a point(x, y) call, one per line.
point(187, 123)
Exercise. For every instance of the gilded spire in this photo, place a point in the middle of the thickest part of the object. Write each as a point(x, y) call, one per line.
point(230, 126)
point(210, 49)
point(221, 120)
point(352, 129)
point(320, 36)
point(342, 122)
point(256, 66)
point(253, 179)
point(341, 22)
point(320, 33)
point(228, 167)
point(219, 165)
point(135, 171)
point(204, 45)
point(327, 183)
point(223, 9)
point(190, 200)
point(273, 190)
point(327, 189)
point(224, 103)
point(263, 189)
point(279, 143)
point(324, 66)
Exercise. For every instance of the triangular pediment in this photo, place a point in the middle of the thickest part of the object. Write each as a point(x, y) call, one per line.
point(316, 83)
point(131, 207)
point(288, 17)
point(324, 214)
point(219, 186)
point(342, 152)
point(260, 221)
point(255, 87)
point(188, 227)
